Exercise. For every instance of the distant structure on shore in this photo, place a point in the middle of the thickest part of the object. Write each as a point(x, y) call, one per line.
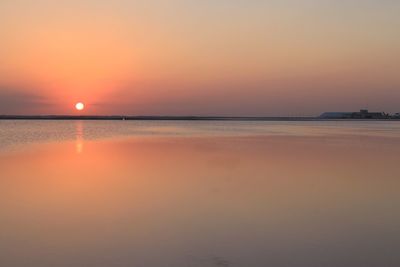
point(362, 114)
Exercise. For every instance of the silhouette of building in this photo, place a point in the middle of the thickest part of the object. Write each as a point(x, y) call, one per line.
point(362, 114)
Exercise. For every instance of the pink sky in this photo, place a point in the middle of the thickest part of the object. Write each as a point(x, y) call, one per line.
point(258, 58)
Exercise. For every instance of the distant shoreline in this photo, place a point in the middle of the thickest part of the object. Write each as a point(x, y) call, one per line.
point(177, 118)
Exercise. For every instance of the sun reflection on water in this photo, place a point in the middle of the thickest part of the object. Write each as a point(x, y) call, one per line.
point(79, 137)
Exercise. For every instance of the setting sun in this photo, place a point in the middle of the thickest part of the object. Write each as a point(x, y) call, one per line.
point(79, 106)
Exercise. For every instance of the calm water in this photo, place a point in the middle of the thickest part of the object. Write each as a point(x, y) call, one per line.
point(189, 194)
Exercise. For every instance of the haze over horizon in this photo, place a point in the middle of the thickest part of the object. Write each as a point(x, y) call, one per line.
point(222, 58)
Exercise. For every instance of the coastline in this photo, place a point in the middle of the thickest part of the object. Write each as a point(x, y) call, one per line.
point(177, 118)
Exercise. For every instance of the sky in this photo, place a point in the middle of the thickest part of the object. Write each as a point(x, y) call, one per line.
point(209, 57)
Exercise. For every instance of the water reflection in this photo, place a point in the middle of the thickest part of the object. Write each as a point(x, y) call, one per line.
point(79, 136)
point(201, 201)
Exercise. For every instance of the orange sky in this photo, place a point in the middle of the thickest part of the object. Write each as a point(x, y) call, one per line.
point(199, 57)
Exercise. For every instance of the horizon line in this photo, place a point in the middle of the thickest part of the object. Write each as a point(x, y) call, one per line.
point(179, 117)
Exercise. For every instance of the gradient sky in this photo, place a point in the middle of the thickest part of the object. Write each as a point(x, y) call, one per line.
point(209, 57)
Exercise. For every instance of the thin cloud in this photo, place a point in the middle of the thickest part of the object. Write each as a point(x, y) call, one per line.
point(20, 101)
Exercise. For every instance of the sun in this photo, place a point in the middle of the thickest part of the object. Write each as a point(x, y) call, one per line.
point(79, 106)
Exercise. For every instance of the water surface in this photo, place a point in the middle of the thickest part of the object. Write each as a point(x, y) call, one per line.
point(188, 194)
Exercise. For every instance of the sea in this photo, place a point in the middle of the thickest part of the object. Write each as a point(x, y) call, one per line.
point(199, 193)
